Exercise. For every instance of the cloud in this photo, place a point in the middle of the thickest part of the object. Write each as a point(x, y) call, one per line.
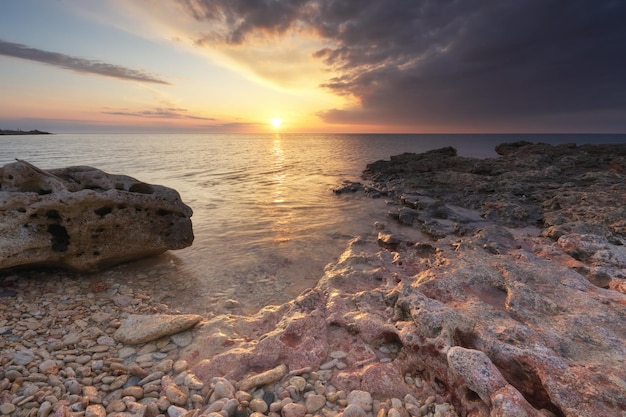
point(473, 64)
point(158, 113)
point(77, 64)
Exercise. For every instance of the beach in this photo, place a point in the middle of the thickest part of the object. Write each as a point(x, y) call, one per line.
point(485, 286)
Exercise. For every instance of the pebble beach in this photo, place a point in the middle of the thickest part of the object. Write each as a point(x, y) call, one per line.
point(59, 358)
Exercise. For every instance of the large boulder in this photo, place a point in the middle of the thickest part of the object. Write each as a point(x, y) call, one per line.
point(84, 219)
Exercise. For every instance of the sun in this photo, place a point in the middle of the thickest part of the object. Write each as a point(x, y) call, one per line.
point(276, 122)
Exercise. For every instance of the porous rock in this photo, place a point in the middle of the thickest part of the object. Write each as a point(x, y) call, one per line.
point(84, 219)
point(516, 308)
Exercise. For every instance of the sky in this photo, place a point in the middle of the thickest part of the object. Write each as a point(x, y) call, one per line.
point(360, 66)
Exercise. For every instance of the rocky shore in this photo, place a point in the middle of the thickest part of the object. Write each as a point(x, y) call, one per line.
point(491, 287)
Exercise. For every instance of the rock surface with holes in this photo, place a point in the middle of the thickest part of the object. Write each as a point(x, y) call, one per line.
point(494, 285)
point(84, 219)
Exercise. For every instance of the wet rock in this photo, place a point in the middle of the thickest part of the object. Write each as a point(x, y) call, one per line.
point(144, 328)
point(84, 219)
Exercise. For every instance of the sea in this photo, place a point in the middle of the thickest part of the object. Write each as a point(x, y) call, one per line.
point(265, 218)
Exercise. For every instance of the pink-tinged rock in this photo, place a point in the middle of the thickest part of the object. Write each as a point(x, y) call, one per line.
point(84, 219)
point(385, 380)
point(476, 369)
point(491, 313)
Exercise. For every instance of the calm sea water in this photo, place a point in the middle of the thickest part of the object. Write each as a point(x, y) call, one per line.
point(265, 219)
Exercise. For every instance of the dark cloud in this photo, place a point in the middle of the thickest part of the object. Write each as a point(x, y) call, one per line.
point(158, 113)
point(76, 64)
point(454, 63)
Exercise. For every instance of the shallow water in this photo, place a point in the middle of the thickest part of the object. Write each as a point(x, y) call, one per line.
point(265, 219)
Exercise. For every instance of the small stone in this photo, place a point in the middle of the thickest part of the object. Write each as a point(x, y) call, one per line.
point(92, 394)
point(396, 402)
point(269, 397)
point(179, 366)
point(152, 410)
point(137, 372)
point(314, 402)
point(298, 382)
point(152, 377)
point(338, 354)
point(231, 406)
point(133, 391)
point(73, 387)
point(23, 357)
point(44, 409)
point(222, 388)
point(182, 339)
point(116, 406)
point(175, 395)
point(174, 411)
point(192, 382)
point(393, 413)
point(258, 405)
point(328, 365)
point(95, 410)
point(164, 366)
point(12, 375)
point(241, 411)
point(412, 409)
point(296, 410)
point(243, 396)
point(264, 378)
point(362, 399)
point(106, 341)
point(215, 406)
point(126, 352)
point(137, 409)
point(119, 382)
point(354, 410)
point(7, 408)
point(49, 367)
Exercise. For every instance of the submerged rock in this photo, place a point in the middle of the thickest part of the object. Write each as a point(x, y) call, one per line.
point(138, 329)
point(84, 219)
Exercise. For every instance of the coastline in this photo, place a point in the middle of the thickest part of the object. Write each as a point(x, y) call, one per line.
point(23, 132)
point(383, 320)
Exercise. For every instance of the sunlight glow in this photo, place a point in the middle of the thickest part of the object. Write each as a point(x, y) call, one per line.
point(276, 122)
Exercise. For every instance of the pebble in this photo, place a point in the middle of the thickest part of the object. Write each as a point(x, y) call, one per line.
point(361, 399)
point(314, 403)
point(353, 410)
point(258, 405)
point(294, 410)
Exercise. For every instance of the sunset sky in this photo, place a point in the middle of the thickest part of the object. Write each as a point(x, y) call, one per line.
point(416, 66)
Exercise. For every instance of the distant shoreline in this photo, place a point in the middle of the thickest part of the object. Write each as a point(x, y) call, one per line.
point(23, 132)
